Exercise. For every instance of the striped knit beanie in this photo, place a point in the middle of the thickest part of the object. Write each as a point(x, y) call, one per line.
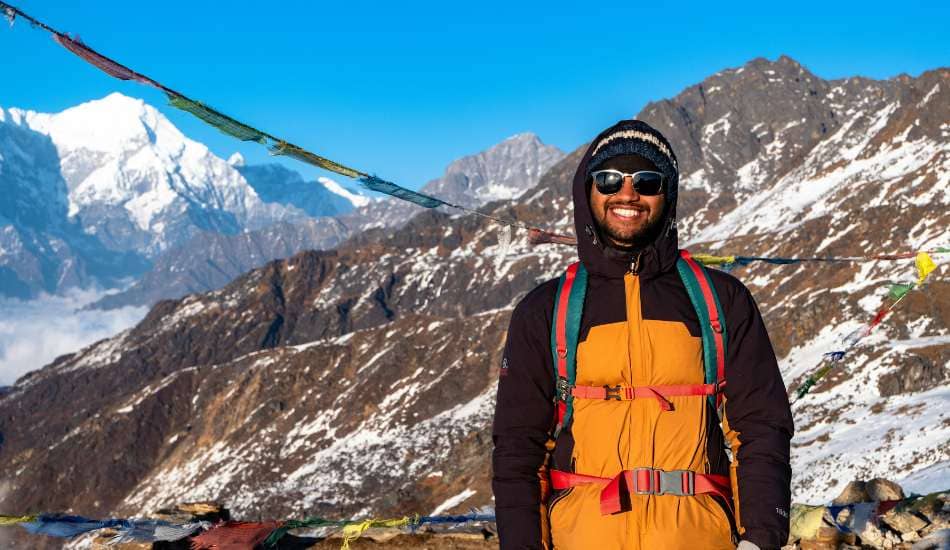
point(635, 137)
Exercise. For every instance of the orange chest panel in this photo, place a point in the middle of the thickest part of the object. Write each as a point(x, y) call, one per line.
point(639, 352)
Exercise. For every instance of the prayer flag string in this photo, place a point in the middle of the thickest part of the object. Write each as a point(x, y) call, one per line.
point(896, 294)
point(729, 262)
point(805, 521)
point(226, 534)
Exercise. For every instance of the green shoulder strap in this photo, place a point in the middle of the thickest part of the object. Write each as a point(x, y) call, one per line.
point(705, 301)
point(566, 326)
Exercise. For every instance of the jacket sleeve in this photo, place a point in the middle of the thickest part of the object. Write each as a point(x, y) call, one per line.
point(758, 423)
point(524, 416)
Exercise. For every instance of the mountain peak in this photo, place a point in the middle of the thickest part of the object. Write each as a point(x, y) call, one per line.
point(783, 65)
point(111, 124)
point(523, 137)
point(115, 106)
point(236, 160)
point(117, 99)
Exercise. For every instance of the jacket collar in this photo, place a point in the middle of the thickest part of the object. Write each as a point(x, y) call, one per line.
point(649, 261)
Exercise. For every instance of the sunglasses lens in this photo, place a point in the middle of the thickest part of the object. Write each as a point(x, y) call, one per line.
point(608, 183)
point(648, 183)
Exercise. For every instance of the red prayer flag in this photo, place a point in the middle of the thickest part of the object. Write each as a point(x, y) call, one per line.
point(234, 535)
point(101, 62)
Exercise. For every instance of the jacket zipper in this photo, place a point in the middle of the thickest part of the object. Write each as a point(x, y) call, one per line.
point(635, 264)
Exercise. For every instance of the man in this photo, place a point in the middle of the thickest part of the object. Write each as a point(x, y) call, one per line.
point(639, 329)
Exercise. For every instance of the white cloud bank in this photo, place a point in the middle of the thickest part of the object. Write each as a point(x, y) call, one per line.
point(34, 332)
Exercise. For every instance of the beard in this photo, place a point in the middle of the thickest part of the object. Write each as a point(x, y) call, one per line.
point(627, 236)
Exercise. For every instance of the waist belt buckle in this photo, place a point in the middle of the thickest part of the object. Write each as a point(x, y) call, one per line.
point(648, 474)
point(678, 482)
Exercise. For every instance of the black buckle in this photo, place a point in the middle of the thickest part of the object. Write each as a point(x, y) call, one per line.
point(563, 388)
point(611, 392)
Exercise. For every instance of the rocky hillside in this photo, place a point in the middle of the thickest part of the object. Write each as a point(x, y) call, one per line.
point(361, 380)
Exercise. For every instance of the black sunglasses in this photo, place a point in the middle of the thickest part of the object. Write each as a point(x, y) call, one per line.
point(645, 182)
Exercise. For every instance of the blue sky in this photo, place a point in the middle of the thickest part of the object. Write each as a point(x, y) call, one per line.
point(403, 88)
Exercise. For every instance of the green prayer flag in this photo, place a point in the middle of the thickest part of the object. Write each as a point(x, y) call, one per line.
point(897, 291)
point(222, 122)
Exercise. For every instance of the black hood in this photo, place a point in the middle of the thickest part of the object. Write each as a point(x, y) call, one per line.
point(656, 257)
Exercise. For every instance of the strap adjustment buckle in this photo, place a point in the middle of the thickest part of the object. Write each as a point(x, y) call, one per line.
point(648, 481)
point(563, 389)
point(611, 392)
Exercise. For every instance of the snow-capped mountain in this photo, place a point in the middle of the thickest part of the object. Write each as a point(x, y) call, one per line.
point(208, 262)
point(359, 381)
point(42, 249)
point(101, 189)
point(137, 183)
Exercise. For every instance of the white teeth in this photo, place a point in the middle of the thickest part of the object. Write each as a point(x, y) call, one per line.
point(626, 212)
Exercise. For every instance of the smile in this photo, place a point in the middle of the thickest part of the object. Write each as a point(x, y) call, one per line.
point(627, 213)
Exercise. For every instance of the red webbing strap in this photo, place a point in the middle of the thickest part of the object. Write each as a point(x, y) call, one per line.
point(629, 393)
point(560, 331)
point(713, 318)
point(645, 481)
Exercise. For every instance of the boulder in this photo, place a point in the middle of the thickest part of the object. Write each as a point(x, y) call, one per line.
point(904, 522)
point(880, 489)
point(854, 492)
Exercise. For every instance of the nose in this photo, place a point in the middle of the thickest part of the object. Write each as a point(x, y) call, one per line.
point(627, 192)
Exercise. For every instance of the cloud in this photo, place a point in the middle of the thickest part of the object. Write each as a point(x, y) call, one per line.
point(34, 332)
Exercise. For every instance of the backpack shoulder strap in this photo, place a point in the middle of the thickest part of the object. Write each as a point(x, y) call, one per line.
point(568, 306)
point(705, 301)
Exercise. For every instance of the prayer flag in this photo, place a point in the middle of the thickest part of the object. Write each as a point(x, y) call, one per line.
point(389, 188)
point(289, 150)
point(101, 62)
point(897, 291)
point(234, 534)
point(219, 120)
point(925, 265)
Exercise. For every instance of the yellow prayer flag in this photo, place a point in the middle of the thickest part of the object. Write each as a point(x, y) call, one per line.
point(709, 259)
point(925, 265)
point(11, 520)
point(805, 521)
point(354, 531)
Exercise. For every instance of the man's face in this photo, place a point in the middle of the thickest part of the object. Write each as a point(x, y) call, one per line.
point(626, 217)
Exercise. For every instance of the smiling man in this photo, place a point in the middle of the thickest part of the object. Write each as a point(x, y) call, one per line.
point(612, 430)
point(627, 218)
